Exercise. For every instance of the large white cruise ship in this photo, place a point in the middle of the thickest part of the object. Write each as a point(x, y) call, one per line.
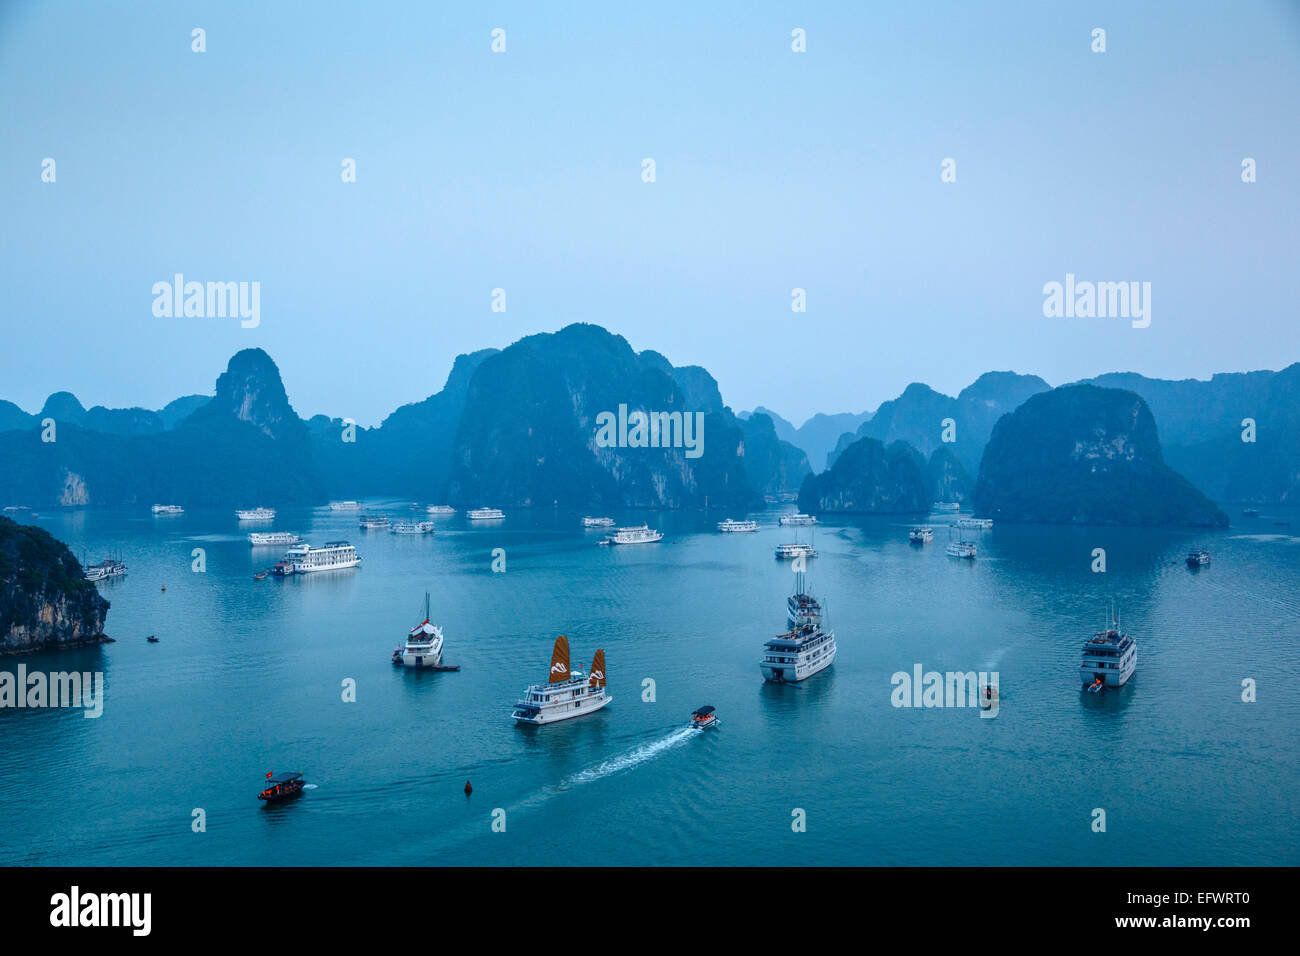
point(373, 521)
point(255, 514)
point(263, 538)
point(423, 646)
point(641, 534)
point(412, 527)
point(795, 549)
point(567, 693)
point(798, 518)
point(168, 510)
point(485, 514)
point(797, 654)
point(440, 510)
point(590, 522)
point(1109, 659)
point(801, 607)
point(345, 506)
point(733, 526)
point(333, 556)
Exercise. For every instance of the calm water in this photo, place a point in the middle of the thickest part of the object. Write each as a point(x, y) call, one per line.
point(247, 678)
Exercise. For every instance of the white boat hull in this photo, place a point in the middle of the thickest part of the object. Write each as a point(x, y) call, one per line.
point(793, 673)
point(430, 658)
point(552, 714)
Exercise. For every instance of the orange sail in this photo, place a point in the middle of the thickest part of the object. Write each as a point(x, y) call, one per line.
point(598, 670)
point(560, 660)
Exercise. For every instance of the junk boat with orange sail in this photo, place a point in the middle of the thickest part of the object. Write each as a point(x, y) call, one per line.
point(567, 693)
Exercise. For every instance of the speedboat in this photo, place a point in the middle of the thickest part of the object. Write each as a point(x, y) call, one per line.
point(704, 718)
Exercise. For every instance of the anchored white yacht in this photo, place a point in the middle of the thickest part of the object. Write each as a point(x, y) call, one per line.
point(345, 506)
point(798, 518)
point(795, 549)
point(922, 534)
point(1109, 659)
point(440, 510)
point(377, 521)
point(945, 507)
point(423, 646)
point(412, 527)
point(641, 534)
point(168, 510)
point(333, 556)
point(733, 526)
point(801, 607)
point(1198, 559)
point(485, 514)
point(263, 538)
point(960, 548)
point(598, 522)
point(255, 514)
point(797, 654)
point(981, 523)
point(567, 693)
point(108, 568)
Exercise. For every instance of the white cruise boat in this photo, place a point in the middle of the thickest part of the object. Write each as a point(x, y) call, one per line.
point(598, 522)
point(168, 510)
point(332, 556)
point(1109, 659)
point(263, 538)
point(255, 514)
point(440, 510)
point(412, 527)
point(795, 549)
point(732, 526)
point(567, 693)
point(922, 534)
point(798, 518)
point(641, 534)
point(801, 607)
point(982, 523)
point(945, 507)
point(108, 568)
point(423, 647)
point(377, 521)
point(1198, 559)
point(345, 506)
point(485, 514)
point(797, 654)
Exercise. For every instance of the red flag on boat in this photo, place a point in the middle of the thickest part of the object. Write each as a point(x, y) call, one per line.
point(268, 775)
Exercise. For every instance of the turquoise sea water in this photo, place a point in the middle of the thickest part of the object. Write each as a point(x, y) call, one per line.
point(247, 678)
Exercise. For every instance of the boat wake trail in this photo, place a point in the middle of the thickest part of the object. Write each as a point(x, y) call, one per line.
point(309, 786)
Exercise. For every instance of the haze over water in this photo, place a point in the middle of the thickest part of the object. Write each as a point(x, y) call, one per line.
point(246, 678)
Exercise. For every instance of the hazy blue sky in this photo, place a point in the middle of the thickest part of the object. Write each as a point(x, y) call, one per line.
point(522, 170)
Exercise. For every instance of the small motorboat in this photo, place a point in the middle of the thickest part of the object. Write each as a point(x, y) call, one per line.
point(1096, 687)
point(152, 639)
point(260, 576)
point(704, 718)
point(281, 787)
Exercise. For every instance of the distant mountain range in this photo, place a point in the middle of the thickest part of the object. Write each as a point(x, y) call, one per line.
point(520, 427)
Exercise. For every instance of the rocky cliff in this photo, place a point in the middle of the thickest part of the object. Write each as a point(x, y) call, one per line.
point(45, 601)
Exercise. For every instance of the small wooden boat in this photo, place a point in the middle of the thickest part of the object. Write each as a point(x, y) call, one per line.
point(704, 718)
point(281, 787)
point(152, 639)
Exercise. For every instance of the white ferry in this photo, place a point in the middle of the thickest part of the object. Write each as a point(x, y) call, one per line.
point(795, 549)
point(423, 646)
point(962, 549)
point(412, 527)
point(945, 507)
point(1109, 659)
point(485, 514)
point(1198, 559)
point(566, 693)
point(333, 556)
point(598, 522)
point(982, 523)
point(733, 526)
point(641, 534)
point(345, 506)
point(922, 534)
point(440, 510)
point(108, 568)
point(168, 510)
point(797, 654)
point(263, 538)
point(801, 607)
point(255, 514)
point(798, 518)
point(368, 522)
